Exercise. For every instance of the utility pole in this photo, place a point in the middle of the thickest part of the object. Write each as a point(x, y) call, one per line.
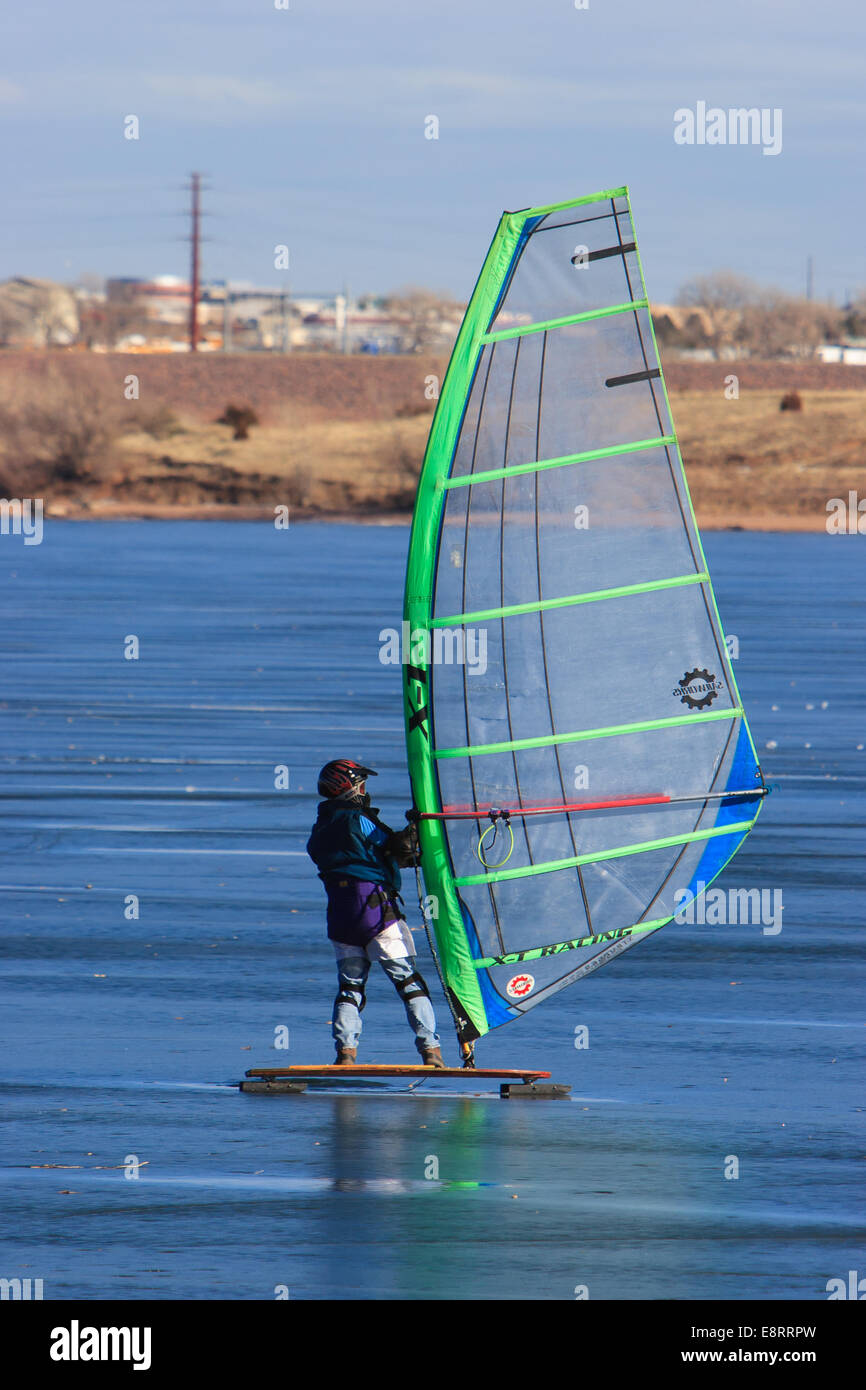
point(809, 277)
point(195, 239)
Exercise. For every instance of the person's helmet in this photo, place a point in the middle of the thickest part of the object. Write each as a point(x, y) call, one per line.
point(343, 777)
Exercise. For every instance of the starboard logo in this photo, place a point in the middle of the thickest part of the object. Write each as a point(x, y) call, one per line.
point(698, 689)
point(520, 986)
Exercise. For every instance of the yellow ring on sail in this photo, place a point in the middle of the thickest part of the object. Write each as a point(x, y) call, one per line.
point(480, 847)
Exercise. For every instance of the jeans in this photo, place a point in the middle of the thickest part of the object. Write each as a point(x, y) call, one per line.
point(352, 972)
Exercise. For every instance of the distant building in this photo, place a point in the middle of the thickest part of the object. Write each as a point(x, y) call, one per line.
point(335, 324)
point(162, 300)
point(37, 313)
point(152, 315)
point(275, 321)
point(852, 354)
point(688, 327)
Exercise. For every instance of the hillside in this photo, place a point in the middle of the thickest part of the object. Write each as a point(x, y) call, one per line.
point(345, 436)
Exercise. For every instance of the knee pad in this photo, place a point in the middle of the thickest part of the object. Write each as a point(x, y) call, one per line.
point(413, 987)
point(344, 997)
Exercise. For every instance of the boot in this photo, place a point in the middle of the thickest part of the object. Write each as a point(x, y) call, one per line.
point(432, 1057)
point(346, 1056)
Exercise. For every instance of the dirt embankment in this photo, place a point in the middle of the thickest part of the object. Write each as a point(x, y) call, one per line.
point(132, 435)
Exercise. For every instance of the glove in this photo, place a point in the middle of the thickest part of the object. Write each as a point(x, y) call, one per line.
point(403, 846)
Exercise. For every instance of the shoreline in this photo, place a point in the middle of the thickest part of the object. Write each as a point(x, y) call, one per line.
point(737, 521)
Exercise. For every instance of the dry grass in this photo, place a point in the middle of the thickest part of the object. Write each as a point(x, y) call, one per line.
point(746, 459)
point(326, 466)
point(348, 438)
point(748, 463)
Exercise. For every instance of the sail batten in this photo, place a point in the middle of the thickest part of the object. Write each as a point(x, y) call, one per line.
point(541, 605)
point(566, 321)
point(486, 476)
point(617, 853)
point(613, 731)
point(565, 645)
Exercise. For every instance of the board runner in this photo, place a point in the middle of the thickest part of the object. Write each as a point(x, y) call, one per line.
point(359, 860)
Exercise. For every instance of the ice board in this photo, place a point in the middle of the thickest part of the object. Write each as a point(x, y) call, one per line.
point(515, 1083)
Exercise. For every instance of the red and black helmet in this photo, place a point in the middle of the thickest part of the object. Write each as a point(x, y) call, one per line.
point(342, 777)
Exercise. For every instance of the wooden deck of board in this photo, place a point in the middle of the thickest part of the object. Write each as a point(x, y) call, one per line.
point(328, 1071)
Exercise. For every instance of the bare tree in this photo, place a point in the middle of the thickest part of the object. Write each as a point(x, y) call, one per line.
point(854, 316)
point(783, 325)
point(426, 318)
point(58, 426)
point(124, 313)
point(723, 296)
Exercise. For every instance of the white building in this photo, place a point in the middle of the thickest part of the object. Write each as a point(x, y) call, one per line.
point(851, 354)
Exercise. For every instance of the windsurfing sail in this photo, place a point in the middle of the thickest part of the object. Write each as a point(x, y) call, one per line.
point(580, 760)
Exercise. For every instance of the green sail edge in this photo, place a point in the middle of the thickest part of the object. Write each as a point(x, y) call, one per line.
point(455, 955)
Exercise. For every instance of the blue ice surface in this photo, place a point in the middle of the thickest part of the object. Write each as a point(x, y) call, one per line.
point(124, 1038)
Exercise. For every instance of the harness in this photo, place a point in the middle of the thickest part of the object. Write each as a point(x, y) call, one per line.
point(385, 901)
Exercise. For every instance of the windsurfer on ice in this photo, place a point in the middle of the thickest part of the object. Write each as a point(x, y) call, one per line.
point(359, 861)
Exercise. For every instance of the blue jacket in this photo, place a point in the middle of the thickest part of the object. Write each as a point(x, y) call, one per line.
point(350, 840)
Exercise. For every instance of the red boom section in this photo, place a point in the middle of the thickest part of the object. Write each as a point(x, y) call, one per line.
point(455, 813)
point(479, 812)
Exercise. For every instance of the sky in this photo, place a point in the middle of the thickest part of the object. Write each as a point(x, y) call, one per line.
point(310, 123)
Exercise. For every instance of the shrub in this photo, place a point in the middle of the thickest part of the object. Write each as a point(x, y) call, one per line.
point(58, 427)
point(239, 418)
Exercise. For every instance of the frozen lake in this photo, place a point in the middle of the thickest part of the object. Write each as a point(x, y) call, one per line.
point(125, 1036)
